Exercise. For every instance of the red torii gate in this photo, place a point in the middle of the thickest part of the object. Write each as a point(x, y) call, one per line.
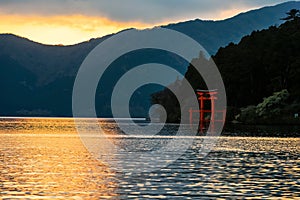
point(207, 95)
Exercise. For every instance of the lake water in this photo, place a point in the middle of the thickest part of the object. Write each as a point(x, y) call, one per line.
point(45, 158)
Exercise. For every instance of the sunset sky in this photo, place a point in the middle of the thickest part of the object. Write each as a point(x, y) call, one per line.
point(73, 21)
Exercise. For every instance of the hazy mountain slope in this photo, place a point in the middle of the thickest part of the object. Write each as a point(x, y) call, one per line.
point(215, 34)
point(45, 61)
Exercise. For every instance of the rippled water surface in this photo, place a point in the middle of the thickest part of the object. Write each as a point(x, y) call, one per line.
point(45, 158)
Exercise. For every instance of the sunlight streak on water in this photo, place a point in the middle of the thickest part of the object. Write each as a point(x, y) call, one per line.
point(45, 158)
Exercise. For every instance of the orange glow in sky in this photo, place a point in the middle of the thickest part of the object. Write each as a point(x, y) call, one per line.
point(62, 29)
point(72, 29)
point(228, 13)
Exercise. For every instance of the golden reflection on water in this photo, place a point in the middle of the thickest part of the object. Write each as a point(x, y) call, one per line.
point(37, 126)
point(49, 163)
point(45, 158)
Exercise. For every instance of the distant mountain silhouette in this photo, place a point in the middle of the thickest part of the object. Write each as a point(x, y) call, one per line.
point(215, 34)
point(37, 79)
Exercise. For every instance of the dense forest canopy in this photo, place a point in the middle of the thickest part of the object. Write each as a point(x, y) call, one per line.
point(261, 64)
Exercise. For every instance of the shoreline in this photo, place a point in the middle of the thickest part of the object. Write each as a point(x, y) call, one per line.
point(230, 129)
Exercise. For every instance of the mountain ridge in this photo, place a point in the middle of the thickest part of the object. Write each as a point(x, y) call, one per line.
point(287, 4)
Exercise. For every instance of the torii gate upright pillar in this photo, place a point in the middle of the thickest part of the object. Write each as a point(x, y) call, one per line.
point(207, 95)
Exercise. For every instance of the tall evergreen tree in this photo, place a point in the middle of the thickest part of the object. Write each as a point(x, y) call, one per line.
point(292, 15)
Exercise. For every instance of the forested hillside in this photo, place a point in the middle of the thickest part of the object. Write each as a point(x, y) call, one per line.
point(260, 65)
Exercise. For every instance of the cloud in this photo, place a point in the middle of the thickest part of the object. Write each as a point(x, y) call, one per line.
point(144, 11)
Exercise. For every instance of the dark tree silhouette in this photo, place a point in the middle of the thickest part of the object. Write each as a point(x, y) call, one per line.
point(292, 15)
